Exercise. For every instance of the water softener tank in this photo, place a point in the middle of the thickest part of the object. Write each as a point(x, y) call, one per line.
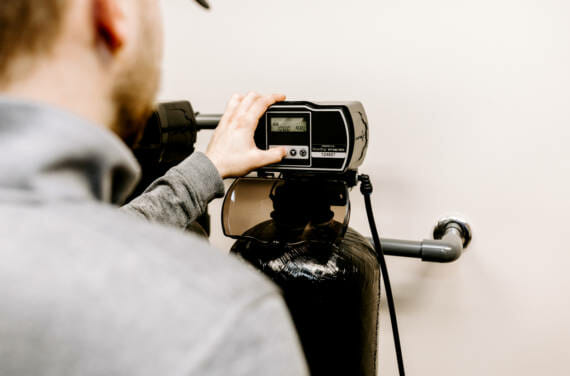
point(296, 233)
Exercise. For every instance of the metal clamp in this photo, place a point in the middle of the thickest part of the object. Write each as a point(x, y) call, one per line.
point(452, 236)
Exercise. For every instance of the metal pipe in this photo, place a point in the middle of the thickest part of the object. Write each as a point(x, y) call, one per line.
point(207, 121)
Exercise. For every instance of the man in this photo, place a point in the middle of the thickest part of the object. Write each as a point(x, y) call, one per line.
point(90, 289)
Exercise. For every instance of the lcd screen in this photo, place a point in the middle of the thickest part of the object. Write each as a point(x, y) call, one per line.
point(288, 124)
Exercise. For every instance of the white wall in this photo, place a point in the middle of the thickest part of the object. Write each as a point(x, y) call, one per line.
point(469, 108)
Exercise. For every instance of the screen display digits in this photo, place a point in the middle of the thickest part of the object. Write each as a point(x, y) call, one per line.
point(288, 124)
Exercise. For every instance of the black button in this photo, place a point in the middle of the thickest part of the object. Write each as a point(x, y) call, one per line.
point(303, 153)
point(293, 152)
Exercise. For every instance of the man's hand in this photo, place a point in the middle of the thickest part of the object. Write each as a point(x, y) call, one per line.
point(232, 149)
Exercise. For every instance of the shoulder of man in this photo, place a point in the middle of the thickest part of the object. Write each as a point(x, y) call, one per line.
point(96, 280)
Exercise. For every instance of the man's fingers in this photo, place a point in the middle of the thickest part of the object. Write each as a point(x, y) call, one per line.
point(231, 108)
point(232, 148)
point(271, 156)
point(249, 100)
point(260, 107)
point(278, 97)
point(252, 105)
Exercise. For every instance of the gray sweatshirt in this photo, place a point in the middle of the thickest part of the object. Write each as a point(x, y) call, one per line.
point(87, 288)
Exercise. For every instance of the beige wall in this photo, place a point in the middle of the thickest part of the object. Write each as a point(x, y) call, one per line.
point(469, 109)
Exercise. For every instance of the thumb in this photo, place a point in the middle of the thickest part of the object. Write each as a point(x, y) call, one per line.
point(271, 156)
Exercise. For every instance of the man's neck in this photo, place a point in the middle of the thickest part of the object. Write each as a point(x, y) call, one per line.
point(65, 84)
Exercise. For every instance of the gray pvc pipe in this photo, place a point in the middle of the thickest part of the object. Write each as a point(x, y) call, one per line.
point(448, 249)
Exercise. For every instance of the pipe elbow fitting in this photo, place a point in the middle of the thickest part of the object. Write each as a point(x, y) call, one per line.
point(451, 236)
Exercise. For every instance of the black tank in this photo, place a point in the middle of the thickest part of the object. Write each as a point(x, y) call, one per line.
point(329, 277)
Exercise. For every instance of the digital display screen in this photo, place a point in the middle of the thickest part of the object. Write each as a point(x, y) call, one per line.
point(288, 124)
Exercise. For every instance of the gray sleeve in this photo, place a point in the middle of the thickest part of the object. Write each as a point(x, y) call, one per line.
point(260, 341)
point(182, 195)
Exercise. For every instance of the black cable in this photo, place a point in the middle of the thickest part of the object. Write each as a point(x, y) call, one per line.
point(366, 189)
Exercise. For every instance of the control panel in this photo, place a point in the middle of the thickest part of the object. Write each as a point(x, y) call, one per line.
point(319, 137)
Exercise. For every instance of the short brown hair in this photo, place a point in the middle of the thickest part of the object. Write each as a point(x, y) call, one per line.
point(28, 27)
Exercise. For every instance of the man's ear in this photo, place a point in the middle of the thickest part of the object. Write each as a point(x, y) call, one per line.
point(110, 23)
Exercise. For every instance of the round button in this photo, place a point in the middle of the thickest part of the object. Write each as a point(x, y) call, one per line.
point(293, 152)
point(303, 153)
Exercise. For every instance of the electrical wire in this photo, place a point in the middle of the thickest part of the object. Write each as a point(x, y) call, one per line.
point(366, 190)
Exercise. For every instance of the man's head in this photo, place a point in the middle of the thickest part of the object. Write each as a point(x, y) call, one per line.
point(99, 58)
point(27, 27)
